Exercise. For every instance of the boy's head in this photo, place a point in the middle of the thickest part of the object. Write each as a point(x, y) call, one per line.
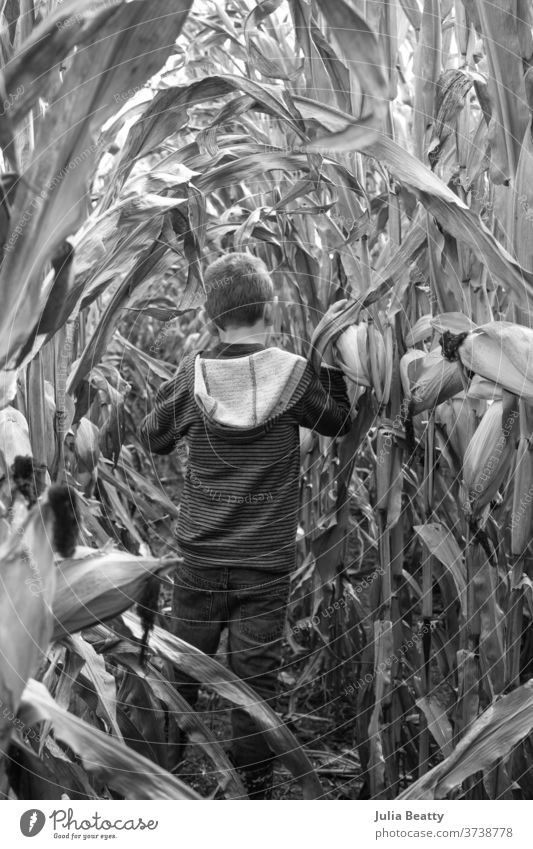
point(239, 291)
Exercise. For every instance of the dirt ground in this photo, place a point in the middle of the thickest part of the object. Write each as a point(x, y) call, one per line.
point(326, 733)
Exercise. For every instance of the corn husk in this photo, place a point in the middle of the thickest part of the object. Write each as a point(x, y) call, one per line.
point(457, 417)
point(522, 514)
point(453, 322)
point(379, 354)
point(432, 380)
point(365, 357)
point(14, 435)
point(27, 586)
point(95, 585)
point(489, 454)
point(481, 389)
point(408, 371)
point(521, 520)
point(86, 447)
point(50, 411)
point(503, 353)
point(8, 387)
point(352, 354)
point(420, 331)
point(308, 440)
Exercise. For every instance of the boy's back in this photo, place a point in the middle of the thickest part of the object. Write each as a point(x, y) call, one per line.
point(240, 408)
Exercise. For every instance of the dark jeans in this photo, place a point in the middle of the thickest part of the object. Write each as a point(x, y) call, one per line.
point(252, 605)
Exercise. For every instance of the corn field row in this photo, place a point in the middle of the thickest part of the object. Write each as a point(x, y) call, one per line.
point(375, 150)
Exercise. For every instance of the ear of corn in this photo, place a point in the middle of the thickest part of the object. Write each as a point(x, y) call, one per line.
point(458, 418)
point(27, 585)
point(522, 512)
point(14, 435)
point(503, 353)
point(8, 387)
point(498, 354)
point(521, 521)
point(431, 378)
point(377, 361)
point(489, 454)
point(50, 412)
point(365, 356)
point(86, 445)
point(420, 331)
point(352, 355)
point(408, 370)
point(95, 586)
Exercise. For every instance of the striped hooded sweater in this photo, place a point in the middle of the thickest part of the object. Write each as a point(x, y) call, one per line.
point(239, 408)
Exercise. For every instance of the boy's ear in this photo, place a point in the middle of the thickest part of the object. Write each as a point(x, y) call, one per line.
point(269, 311)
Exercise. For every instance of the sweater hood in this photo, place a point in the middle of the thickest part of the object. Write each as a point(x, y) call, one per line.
point(243, 393)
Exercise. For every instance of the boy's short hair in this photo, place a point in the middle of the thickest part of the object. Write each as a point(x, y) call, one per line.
point(238, 286)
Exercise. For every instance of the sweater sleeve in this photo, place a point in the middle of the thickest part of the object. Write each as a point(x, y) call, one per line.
point(325, 406)
point(168, 421)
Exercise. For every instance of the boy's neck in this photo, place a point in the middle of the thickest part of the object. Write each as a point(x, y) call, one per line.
point(256, 334)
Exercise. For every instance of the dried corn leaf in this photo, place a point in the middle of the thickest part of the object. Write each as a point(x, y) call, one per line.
point(211, 673)
point(492, 736)
point(122, 769)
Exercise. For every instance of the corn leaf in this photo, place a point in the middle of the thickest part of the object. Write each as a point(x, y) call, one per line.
point(103, 681)
point(501, 35)
point(362, 52)
point(427, 72)
point(82, 104)
point(29, 70)
point(442, 545)
point(492, 736)
point(453, 215)
point(143, 267)
point(167, 113)
point(120, 768)
point(187, 719)
point(438, 723)
point(211, 673)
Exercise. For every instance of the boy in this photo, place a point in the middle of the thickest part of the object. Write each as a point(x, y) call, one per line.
point(240, 407)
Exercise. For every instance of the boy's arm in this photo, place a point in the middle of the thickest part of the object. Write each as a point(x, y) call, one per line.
point(165, 425)
point(325, 406)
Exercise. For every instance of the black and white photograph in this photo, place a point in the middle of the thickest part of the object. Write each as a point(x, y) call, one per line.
point(266, 422)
